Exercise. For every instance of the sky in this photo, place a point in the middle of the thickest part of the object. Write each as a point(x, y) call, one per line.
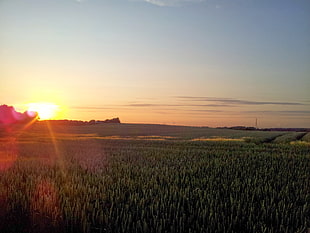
point(184, 62)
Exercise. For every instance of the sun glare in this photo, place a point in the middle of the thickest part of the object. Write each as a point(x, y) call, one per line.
point(46, 111)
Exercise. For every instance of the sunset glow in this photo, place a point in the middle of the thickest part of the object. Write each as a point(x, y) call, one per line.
point(45, 111)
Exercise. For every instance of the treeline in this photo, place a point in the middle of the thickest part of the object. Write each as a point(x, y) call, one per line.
point(80, 123)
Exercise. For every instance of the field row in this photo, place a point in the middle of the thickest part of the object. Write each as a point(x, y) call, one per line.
point(43, 132)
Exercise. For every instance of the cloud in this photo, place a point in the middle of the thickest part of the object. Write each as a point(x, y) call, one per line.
point(9, 116)
point(145, 105)
point(204, 105)
point(232, 101)
point(80, 1)
point(204, 110)
point(151, 105)
point(171, 3)
point(289, 113)
point(175, 105)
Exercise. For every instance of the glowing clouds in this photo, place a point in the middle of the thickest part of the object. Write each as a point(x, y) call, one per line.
point(31, 114)
point(8, 115)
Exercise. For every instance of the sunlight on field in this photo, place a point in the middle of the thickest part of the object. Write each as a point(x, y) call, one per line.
point(8, 154)
point(218, 139)
point(300, 143)
point(6, 160)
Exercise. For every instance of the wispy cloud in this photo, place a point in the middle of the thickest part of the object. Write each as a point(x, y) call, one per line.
point(80, 1)
point(190, 105)
point(175, 105)
point(172, 3)
point(150, 105)
point(204, 110)
point(232, 101)
point(290, 113)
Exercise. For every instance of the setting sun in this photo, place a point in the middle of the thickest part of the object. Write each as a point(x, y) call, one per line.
point(45, 111)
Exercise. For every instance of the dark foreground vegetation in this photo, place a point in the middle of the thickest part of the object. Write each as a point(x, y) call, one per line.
point(103, 185)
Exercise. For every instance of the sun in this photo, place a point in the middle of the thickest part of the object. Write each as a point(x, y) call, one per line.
point(46, 111)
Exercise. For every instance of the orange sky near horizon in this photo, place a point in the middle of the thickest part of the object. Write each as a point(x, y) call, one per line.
point(174, 114)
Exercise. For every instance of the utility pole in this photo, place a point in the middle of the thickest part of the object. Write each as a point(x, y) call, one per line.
point(256, 123)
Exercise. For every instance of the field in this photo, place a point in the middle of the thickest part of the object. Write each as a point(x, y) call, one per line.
point(153, 178)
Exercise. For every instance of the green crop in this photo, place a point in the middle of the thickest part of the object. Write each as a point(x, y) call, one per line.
point(155, 186)
point(306, 138)
point(289, 137)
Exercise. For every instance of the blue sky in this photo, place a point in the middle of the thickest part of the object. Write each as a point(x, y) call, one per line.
point(173, 61)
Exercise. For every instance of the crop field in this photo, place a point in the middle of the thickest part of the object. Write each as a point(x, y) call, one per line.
point(153, 178)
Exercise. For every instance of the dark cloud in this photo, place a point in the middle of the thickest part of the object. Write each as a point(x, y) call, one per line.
point(204, 110)
point(299, 113)
point(151, 105)
point(146, 105)
point(209, 108)
point(232, 101)
point(175, 105)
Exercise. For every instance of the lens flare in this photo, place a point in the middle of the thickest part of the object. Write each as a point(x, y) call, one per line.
point(45, 111)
